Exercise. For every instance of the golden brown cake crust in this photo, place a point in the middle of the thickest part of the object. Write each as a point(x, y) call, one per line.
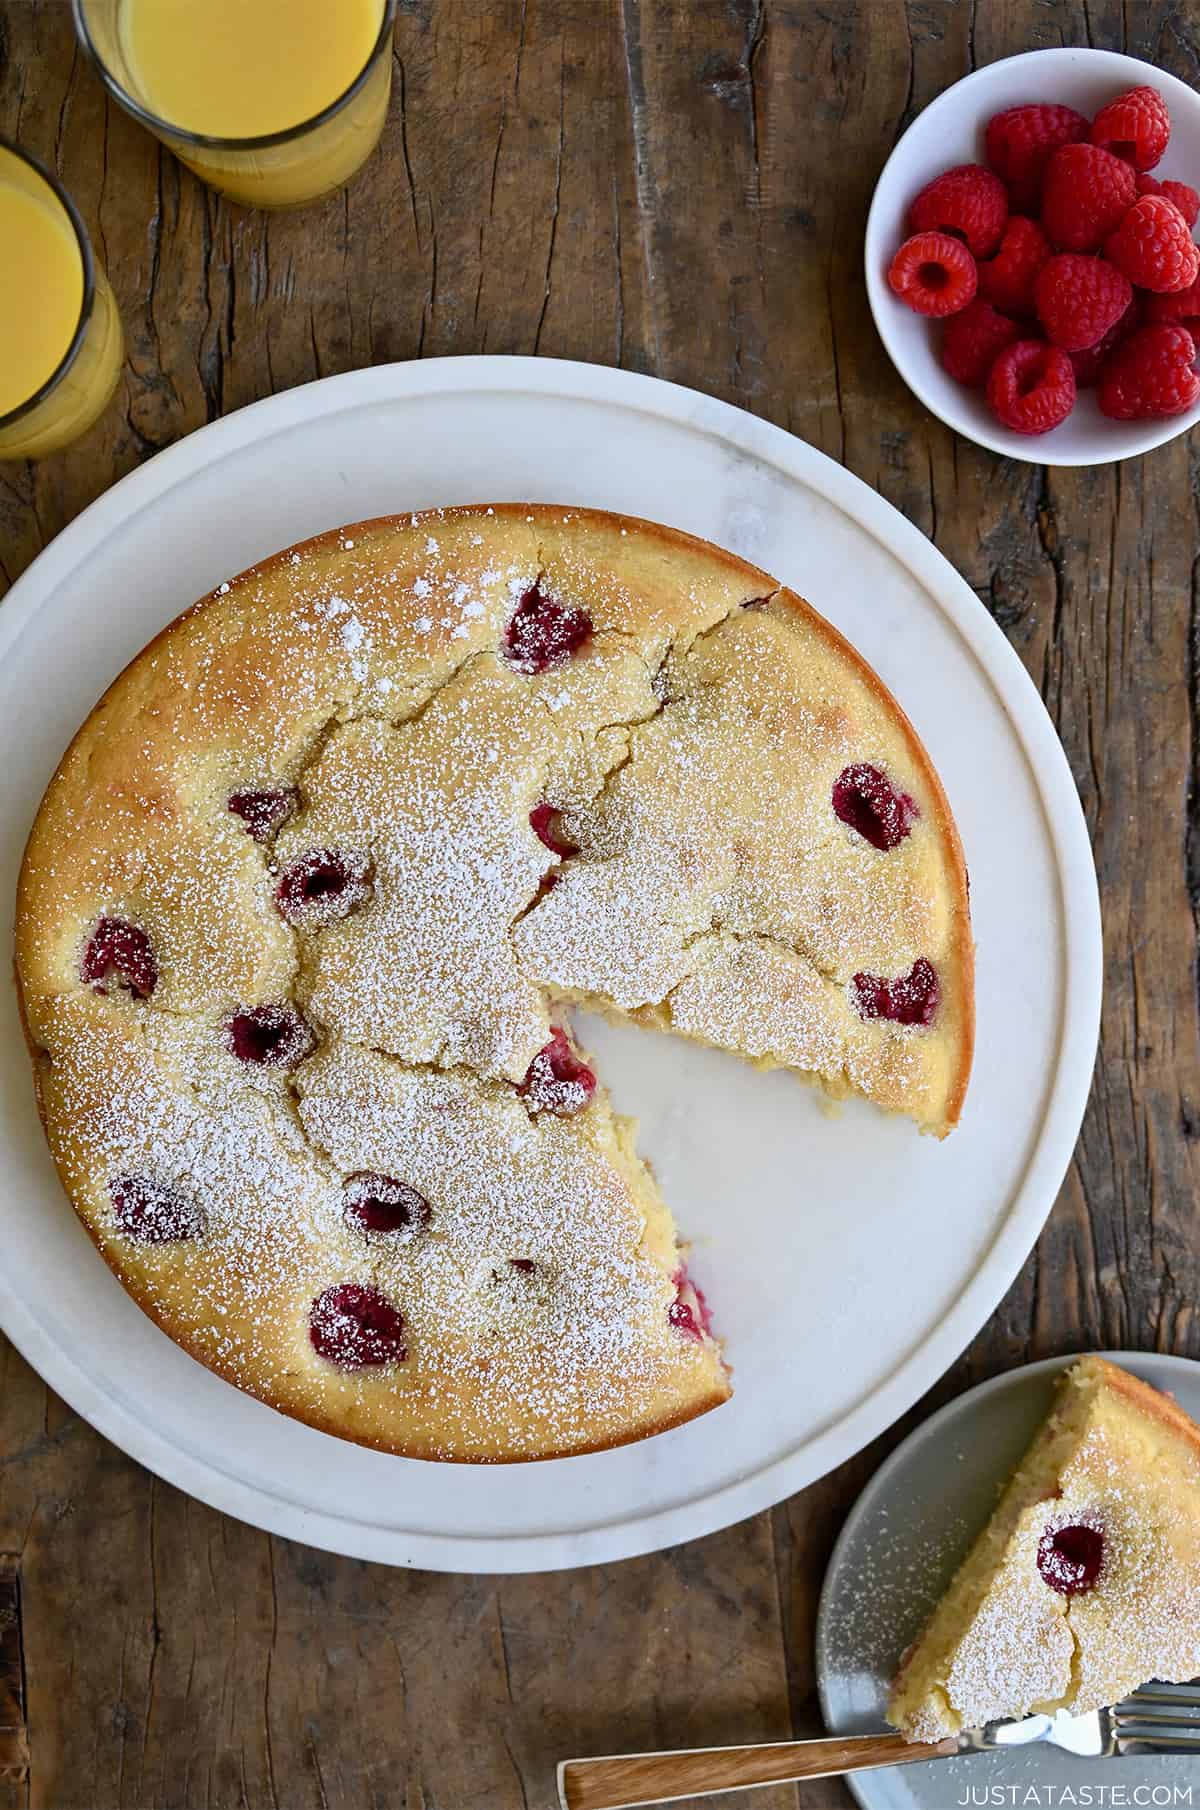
point(364, 665)
point(1146, 1399)
point(964, 945)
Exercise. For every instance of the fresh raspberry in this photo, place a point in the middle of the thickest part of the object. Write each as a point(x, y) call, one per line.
point(1136, 126)
point(970, 346)
point(1006, 281)
point(1020, 143)
point(934, 273)
point(1153, 246)
point(1079, 298)
point(1088, 364)
point(968, 201)
point(1088, 193)
point(1150, 375)
point(1186, 199)
point(1183, 306)
point(1031, 387)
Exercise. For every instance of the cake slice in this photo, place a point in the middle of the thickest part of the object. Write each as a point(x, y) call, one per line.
point(406, 1256)
point(1085, 1584)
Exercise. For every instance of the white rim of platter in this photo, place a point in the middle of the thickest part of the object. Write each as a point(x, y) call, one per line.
point(850, 1260)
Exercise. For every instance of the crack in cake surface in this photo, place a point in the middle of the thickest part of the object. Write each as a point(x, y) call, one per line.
point(433, 778)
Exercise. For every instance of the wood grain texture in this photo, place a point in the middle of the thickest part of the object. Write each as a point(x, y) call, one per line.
point(676, 186)
point(14, 1743)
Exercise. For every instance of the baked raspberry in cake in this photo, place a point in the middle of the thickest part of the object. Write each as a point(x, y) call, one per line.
point(308, 901)
point(1085, 1584)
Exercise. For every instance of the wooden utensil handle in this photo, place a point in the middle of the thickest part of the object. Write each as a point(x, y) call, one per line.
point(619, 1781)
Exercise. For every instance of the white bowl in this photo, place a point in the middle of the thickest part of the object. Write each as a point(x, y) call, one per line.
point(950, 131)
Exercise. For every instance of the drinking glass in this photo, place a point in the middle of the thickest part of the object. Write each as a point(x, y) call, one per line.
point(279, 169)
point(63, 404)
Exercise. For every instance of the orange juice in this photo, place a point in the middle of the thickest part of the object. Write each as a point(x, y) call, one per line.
point(48, 311)
point(239, 70)
point(246, 68)
point(41, 292)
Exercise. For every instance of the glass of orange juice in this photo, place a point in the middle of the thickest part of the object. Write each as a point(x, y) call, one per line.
point(275, 102)
point(61, 346)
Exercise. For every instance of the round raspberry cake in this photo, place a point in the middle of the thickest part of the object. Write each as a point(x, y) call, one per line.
point(310, 894)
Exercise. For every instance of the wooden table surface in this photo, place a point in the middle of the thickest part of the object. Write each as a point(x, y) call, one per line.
point(681, 189)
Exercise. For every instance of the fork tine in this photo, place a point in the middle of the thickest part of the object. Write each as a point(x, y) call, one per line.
point(1170, 1693)
point(1151, 1718)
point(1186, 1695)
point(1160, 1718)
point(1137, 1744)
point(1161, 1700)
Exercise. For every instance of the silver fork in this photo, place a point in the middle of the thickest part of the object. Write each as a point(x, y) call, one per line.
point(1161, 1718)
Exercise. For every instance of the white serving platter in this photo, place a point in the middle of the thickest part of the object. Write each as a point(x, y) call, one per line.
point(848, 1259)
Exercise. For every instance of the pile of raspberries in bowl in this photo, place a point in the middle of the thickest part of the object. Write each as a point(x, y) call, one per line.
point(1062, 264)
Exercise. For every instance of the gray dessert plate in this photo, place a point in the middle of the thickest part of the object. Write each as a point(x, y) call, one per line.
point(901, 1543)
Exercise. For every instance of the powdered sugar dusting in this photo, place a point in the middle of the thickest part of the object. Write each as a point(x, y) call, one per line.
point(716, 891)
point(564, 1339)
point(430, 973)
point(701, 877)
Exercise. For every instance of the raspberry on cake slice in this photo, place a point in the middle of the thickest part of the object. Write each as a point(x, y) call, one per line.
point(1085, 1584)
point(119, 952)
